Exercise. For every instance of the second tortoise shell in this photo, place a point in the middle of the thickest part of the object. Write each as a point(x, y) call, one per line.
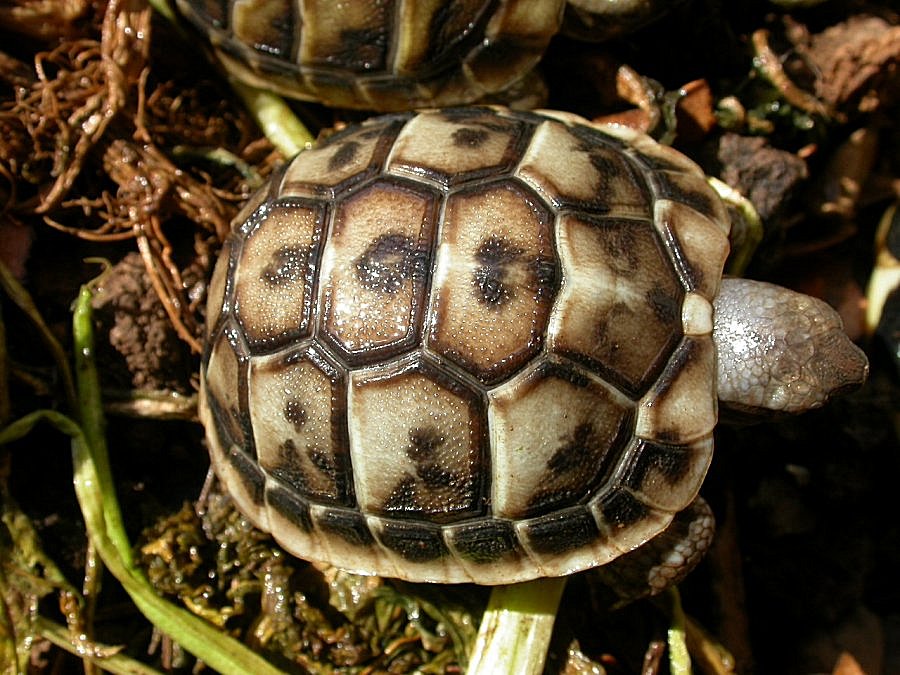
point(379, 55)
point(468, 345)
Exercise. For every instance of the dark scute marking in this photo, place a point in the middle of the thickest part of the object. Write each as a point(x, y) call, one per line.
point(486, 541)
point(295, 413)
point(249, 473)
point(228, 423)
point(496, 251)
point(666, 309)
point(467, 137)
point(668, 435)
point(620, 244)
point(622, 509)
point(491, 289)
point(435, 476)
point(403, 497)
point(322, 460)
point(423, 443)
point(368, 134)
point(604, 168)
point(691, 276)
point(494, 254)
point(673, 463)
point(285, 266)
point(415, 543)
point(563, 372)
point(546, 275)
point(288, 505)
point(584, 442)
point(444, 39)
point(548, 499)
point(389, 261)
point(348, 525)
point(288, 468)
point(657, 163)
point(361, 50)
point(466, 114)
point(562, 532)
point(591, 137)
point(697, 200)
point(345, 154)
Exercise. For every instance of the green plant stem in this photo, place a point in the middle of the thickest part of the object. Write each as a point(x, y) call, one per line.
point(280, 125)
point(516, 628)
point(90, 412)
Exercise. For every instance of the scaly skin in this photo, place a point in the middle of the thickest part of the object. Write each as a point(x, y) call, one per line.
point(780, 351)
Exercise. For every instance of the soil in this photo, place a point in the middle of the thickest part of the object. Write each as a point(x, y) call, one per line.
point(120, 142)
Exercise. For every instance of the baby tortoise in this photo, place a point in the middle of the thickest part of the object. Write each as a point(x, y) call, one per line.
point(400, 55)
point(481, 345)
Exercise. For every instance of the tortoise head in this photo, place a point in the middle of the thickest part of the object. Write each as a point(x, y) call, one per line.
point(780, 351)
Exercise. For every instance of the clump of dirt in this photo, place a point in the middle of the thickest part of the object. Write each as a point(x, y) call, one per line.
point(145, 350)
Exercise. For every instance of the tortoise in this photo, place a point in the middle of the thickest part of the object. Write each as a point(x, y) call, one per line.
point(393, 56)
point(484, 345)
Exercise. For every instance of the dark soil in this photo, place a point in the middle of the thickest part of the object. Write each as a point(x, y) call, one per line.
point(108, 120)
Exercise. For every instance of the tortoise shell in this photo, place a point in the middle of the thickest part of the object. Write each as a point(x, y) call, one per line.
point(381, 56)
point(467, 345)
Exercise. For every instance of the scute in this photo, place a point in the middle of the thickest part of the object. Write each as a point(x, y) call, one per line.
point(298, 410)
point(700, 246)
point(557, 462)
point(620, 308)
point(461, 147)
point(665, 476)
point(375, 270)
point(495, 279)
point(453, 366)
point(275, 277)
point(348, 158)
point(425, 460)
point(355, 39)
point(572, 169)
point(675, 409)
point(266, 25)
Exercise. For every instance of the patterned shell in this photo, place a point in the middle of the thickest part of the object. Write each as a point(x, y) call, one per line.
point(393, 55)
point(468, 345)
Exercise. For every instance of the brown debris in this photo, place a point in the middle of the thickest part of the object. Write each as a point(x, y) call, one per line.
point(638, 91)
point(694, 111)
point(770, 65)
point(763, 174)
point(851, 67)
point(857, 63)
point(116, 62)
point(145, 351)
point(15, 245)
